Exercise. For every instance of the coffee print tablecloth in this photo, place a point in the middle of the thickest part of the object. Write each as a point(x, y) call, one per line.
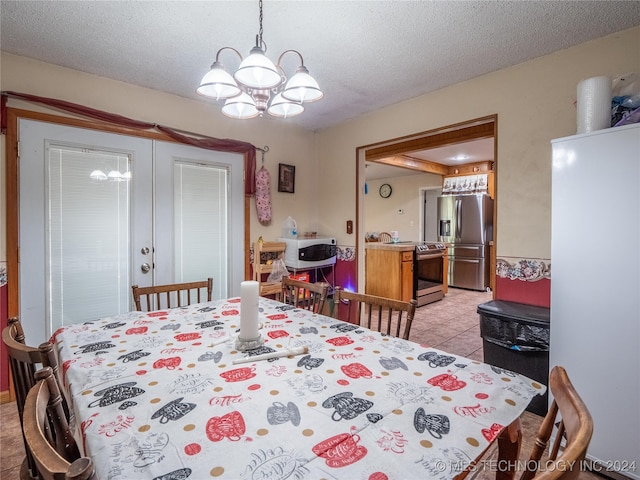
point(156, 396)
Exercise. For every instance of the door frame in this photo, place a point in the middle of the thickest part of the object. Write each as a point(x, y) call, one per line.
point(386, 151)
point(12, 190)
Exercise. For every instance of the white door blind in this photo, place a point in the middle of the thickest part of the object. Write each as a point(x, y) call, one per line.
point(201, 224)
point(87, 247)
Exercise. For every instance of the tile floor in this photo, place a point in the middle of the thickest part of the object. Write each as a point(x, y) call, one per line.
point(451, 324)
point(11, 446)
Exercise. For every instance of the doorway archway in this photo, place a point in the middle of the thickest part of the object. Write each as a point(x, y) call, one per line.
point(401, 152)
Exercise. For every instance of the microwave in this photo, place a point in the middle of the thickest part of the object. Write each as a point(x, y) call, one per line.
point(309, 252)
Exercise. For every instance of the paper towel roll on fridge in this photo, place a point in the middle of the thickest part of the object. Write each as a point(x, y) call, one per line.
point(594, 104)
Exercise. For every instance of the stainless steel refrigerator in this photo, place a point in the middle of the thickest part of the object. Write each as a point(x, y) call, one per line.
point(465, 222)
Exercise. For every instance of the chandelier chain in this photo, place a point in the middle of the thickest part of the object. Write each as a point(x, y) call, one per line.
point(260, 19)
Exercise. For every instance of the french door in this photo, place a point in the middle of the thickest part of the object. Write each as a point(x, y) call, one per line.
point(100, 212)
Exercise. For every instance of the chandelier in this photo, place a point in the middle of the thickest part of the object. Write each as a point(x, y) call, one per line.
point(258, 85)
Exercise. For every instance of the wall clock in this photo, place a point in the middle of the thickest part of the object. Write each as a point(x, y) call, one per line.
point(385, 190)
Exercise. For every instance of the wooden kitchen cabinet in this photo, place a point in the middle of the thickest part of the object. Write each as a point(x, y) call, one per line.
point(471, 168)
point(407, 276)
point(389, 271)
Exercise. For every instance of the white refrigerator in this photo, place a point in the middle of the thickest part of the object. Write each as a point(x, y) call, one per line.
point(595, 285)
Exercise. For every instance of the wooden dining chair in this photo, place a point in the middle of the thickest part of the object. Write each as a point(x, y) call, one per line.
point(384, 237)
point(172, 295)
point(574, 423)
point(306, 295)
point(48, 436)
point(264, 256)
point(563, 459)
point(386, 315)
point(24, 360)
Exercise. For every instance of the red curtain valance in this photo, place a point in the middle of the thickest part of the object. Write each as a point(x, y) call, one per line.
point(209, 143)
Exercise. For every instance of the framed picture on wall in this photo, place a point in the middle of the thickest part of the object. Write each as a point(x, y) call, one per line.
point(286, 178)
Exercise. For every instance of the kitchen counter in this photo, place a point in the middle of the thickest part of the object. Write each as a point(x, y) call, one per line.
point(395, 247)
point(389, 270)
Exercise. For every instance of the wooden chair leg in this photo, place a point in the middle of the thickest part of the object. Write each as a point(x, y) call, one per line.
point(25, 473)
point(509, 443)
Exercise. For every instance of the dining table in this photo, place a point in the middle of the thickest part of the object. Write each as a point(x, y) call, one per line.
point(169, 395)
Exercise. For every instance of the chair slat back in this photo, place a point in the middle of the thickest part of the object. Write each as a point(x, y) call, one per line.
point(172, 295)
point(574, 427)
point(265, 254)
point(47, 433)
point(24, 361)
point(61, 436)
point(49, 359)
point(309, 296)
point(385, 315)
point(384, 237)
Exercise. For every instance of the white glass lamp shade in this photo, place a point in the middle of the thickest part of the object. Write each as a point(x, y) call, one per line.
point(302, 87)
point(257, 71)
point(217, 83)
point(281, 107)
point(240, 107)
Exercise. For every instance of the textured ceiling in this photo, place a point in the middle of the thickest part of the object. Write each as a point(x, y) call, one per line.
point(364, 54)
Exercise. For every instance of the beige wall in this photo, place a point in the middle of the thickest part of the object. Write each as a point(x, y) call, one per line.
point(287, 144)
point(535, 104)
point(382, 214)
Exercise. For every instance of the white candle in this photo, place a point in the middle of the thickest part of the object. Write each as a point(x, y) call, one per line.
point(249, 310)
